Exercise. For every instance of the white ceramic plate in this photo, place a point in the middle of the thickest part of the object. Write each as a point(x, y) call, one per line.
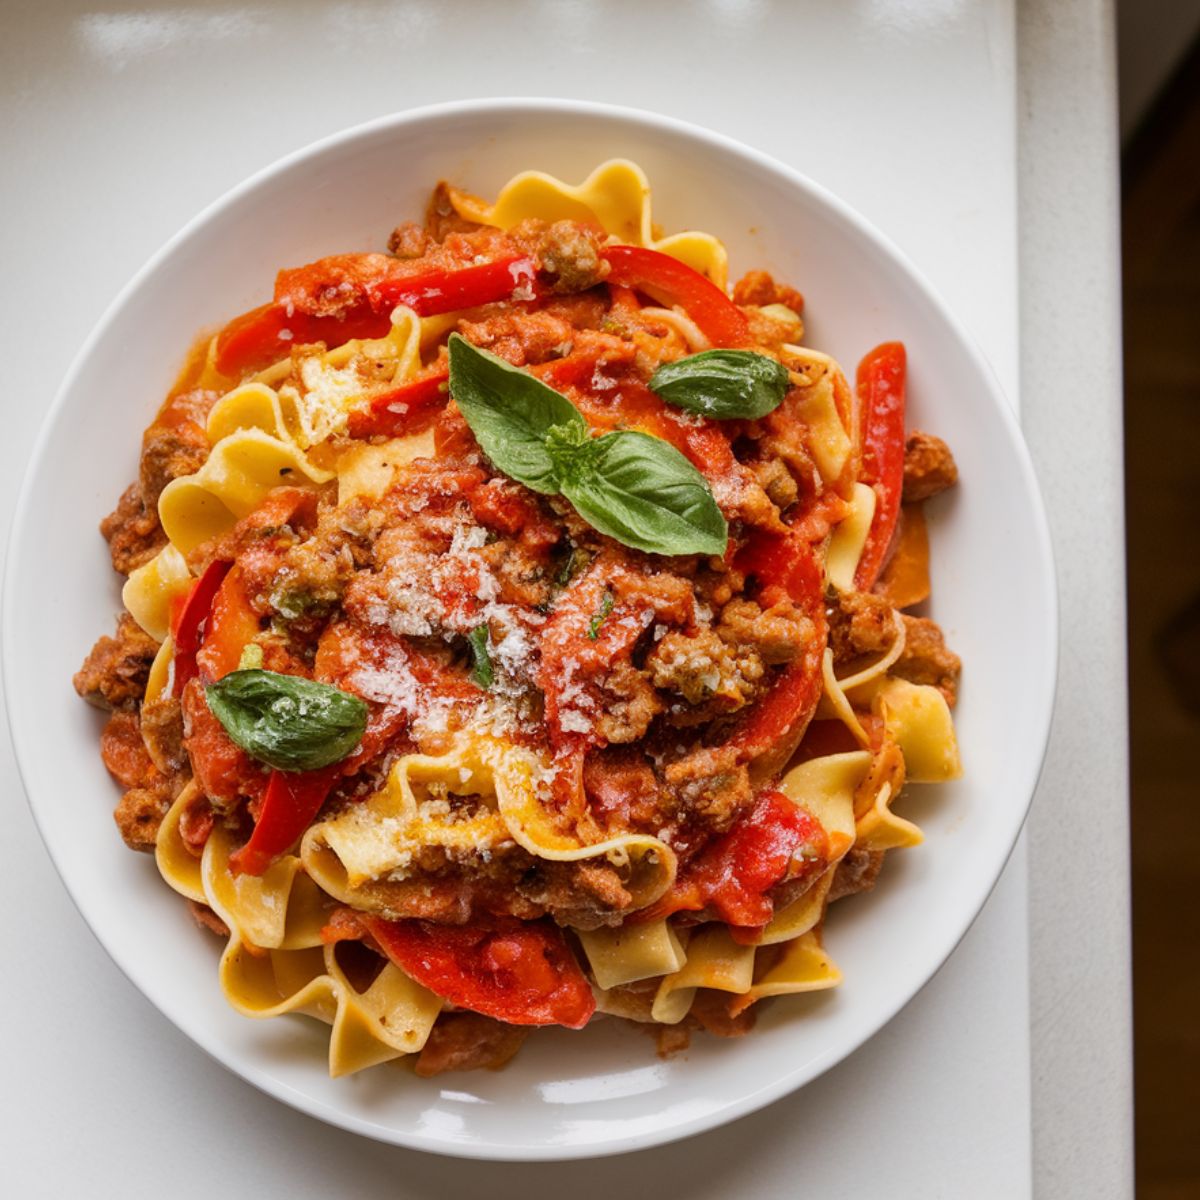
point(602, 1090)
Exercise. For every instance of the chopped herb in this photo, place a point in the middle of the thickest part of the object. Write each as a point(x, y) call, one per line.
point(292, 603)
point(606, 606)
point(483, 672)
point(570, 565)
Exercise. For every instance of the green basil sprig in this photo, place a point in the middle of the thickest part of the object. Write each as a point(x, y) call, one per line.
point(509, 412)
point(633, 487)
point(286, 721)
point(723, 383)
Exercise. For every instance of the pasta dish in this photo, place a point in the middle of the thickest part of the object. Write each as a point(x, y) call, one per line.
point(517, 631)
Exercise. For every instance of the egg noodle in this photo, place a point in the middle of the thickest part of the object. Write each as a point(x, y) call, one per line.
point(454, 712)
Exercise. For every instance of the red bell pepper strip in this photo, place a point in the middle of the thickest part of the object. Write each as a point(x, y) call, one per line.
point(404, 409)
point(786, 568)
point(343, 282)
point(264, 335)
point(223, 770)
point(881, 394)
point(232, 625)
point(434, 292)
point(189, 621)
point(672, 282)
point(780, 718)
point(522, 972)
point(774, 841)
point(372, 287)
point(292, 800)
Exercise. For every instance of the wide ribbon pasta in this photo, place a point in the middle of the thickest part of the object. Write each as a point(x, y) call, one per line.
point(629, 952)
point(364, 855)
point(368, 469)
point(918, 718)
point(826, 786)
point(824, 404)
point(261, 438)
point(239, 474)
point(616, 195)
point(152, 589)
point(275, 962)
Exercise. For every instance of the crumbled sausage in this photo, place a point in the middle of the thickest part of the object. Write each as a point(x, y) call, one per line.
point(139, 813)
point(856, 872)
point(703, 667)
point(467, 1041)
point(670, 1040)
point(601, 881)
point(522, 339)
point(860, 624)
point(168, 453)
point(132, 531)
point(628, 704)
point(779, 633)
point(634, 1002)
point(759, 288)
point(193, 406)
point(568, 253)
point(777, 481)
point(313, 574)
point(520, 572)
point(582, 895)
point(114, 673)
point(622, 789)
point(711, 785)
point(441, 217)
point(207, 919)
point(771, 328)
point(927, 659)
point(929, 467)
point(788, 891)
point(408, 240)
point(710, 1009)
point(162, 732)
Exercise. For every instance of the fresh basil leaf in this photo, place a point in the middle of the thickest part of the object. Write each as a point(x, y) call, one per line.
point(606, 606)
point(510, 413)
point(286, 721)
point(640, 490)
point(483, 672)
point(723, 383)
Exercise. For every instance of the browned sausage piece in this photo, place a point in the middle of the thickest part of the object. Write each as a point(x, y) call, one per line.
point(929, 467)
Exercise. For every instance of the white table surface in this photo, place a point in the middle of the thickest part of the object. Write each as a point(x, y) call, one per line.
point(120, 122)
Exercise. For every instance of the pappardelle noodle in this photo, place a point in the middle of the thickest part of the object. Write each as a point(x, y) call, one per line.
point(516, 633)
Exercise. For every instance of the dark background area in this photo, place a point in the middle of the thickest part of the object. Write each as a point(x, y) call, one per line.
point(1161, 265)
